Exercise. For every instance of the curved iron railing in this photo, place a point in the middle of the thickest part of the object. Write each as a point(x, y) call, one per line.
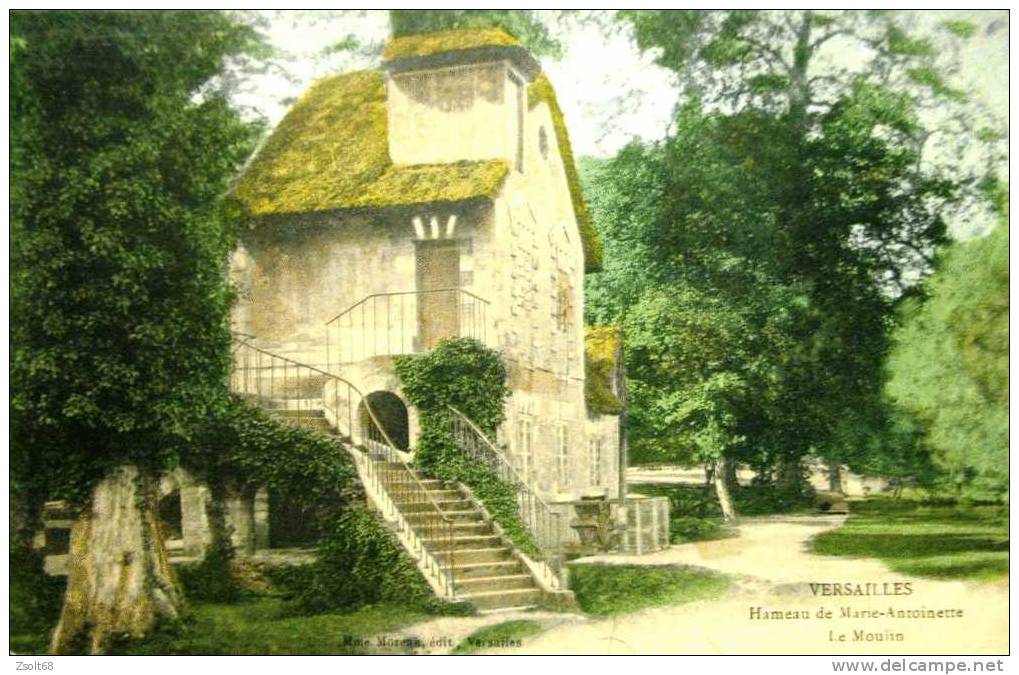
point(403, 322)
point(288, 388)
point(540, 519)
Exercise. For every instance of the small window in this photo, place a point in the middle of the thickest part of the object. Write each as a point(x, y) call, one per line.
point(594, 447)
point(543, 142)
point(563, 455)
point(518, 102)
point(524, 447)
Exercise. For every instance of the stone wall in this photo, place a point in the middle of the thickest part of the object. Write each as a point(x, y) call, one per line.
point(451, 114)
point(538, 320)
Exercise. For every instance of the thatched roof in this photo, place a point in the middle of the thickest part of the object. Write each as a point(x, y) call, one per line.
point(331, 151)
point(426, 44)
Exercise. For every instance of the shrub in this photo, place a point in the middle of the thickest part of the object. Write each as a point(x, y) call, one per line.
point(358, 561)
point(685, 528)
point(616, 589)
point(35, 602)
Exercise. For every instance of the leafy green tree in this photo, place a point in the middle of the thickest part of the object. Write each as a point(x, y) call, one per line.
point(119, 265)
point(949, 364)
point(709, 330)
point(806, 175)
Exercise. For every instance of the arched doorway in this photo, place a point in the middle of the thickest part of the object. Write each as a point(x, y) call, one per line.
point(391, 414)
point(171, 515)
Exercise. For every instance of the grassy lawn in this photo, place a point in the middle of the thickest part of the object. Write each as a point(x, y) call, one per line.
point(506, 634)
point(256, 627)
point(927, 540)
point(616, 589)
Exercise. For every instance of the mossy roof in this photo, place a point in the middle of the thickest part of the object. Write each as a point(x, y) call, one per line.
point(602, 353)
point(331, 150)
point(426, 44)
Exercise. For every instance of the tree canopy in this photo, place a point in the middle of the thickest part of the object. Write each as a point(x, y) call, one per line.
point(776, 227)
point(119, 246)
point(949, 363)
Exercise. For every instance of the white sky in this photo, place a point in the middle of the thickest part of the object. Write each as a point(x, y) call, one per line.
point(610, 92)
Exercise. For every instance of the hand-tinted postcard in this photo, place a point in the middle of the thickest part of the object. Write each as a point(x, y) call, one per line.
point(509, 332)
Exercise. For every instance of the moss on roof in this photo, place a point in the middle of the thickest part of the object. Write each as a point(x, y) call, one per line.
point(435, 183)
point(602, 353)
point(331, 151)
point(426, 44)
point(540, 90)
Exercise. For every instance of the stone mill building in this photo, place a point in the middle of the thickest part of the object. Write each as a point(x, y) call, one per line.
point(438, 197)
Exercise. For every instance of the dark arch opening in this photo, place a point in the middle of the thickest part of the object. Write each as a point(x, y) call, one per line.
point(292, 521)
point(170, 514)
point(392, 416)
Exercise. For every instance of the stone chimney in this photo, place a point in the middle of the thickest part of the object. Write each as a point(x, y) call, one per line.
point(457, 96)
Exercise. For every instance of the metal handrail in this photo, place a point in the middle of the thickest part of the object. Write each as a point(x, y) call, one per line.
point(388, 323)
point(391, 293)
point(394, 481)
point(541, 520)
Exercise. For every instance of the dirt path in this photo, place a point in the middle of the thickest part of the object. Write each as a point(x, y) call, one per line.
point(772, 571)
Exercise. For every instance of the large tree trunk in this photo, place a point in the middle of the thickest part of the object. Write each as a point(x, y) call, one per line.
point(834, 476)
point(722, 489)
point(731, 481)
point(120, 584)
point(790, 474)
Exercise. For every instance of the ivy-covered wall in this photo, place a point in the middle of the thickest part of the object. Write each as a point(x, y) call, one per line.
point(464, 374)
point(358, 561)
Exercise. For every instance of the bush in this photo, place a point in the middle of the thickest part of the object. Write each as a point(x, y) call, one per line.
point(685, 528)
point(358, 561)
point(211, 579)
point(615, 589)
point(35, 602)
point(696, 501)
point(699, 501)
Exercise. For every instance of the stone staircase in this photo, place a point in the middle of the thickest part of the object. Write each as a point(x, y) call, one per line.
point(460, 550)
point(485, 568)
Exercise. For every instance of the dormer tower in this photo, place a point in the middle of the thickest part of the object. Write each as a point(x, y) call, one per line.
point(456, 96)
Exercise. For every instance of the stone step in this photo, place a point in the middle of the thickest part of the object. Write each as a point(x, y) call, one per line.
point(473, 570)
point(408, 505)
point(504, 582)
point(57, 510)
point(469, 515)
point(444, 494)
point(471, 528)
point(517, 597)
point(281, 384)
point(434, 483)
point(476, 555)
point(463, 542)
point(283, 405)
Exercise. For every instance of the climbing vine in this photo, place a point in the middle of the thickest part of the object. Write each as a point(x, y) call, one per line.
point(464, 374)
point(358, 561)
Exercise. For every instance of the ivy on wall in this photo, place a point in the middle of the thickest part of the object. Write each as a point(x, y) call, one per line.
point(358, 561)
point(464, 374)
